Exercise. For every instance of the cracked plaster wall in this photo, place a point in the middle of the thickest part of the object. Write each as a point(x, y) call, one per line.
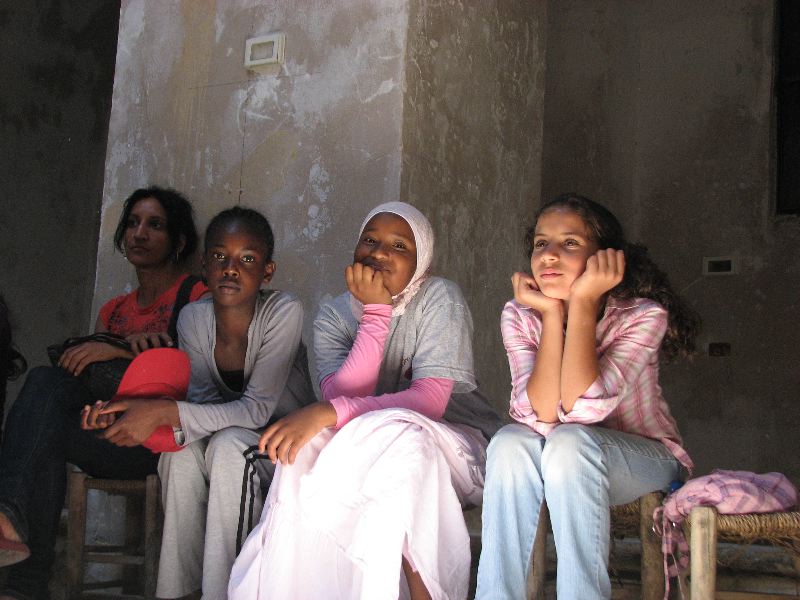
point(313, 148)
point(661, 111)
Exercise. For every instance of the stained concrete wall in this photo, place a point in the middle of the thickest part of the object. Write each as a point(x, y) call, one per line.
point(56, 76)
point(661, 111)
point(664, 112)
point(313, 148)
point(472, 142)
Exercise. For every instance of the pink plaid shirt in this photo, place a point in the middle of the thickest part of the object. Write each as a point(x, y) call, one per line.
point(625, 396)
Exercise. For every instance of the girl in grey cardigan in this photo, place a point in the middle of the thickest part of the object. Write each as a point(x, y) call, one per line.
point(248, 369)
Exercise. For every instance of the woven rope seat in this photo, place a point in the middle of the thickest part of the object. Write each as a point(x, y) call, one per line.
point(625, 519)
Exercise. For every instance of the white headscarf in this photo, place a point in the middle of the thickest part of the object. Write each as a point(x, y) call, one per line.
point(423, 239)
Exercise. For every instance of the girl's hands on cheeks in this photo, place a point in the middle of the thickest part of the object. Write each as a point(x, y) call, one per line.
point(144, 341)
point(604, 270)
point(366, 284)
point(527, 293)
point(77, 358)
point(282, 440)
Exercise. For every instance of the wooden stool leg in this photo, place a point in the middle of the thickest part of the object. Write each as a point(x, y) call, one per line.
point(152, 537)
point(703, 552)
point(652, 564)
point(134, 543)
point(538, 572)
point(76, 534)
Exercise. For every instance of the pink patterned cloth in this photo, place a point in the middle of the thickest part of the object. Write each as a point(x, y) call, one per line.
point(349, 388)
point(731, 493)
point(625, 396)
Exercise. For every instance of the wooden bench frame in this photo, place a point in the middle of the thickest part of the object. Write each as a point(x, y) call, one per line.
point(706, 527)
point(634, 518)
point(142, 537)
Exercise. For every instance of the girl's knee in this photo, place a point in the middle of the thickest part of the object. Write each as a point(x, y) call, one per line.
point(51, 390)
point(180, 458)
point(570, 448)
point(228, 445)
point(513, 447)
point(44, 377)
point(184, 466)
point(570, 437)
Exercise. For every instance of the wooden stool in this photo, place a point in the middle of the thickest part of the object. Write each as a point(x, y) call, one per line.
point(142, 537)
point(706, 526)
point(635, 518)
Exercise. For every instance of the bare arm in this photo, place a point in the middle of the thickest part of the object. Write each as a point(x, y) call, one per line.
point(543, 386)
point(579, 367)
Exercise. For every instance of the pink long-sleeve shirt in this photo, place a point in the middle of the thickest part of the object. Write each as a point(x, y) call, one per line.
point(625, 396)
point(349, 389)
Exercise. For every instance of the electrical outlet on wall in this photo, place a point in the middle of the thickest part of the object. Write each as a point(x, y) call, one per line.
point(719, 265)
point(719, 349)
point(264, 50)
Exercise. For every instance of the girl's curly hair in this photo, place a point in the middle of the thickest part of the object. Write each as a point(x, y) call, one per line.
point(642, 279)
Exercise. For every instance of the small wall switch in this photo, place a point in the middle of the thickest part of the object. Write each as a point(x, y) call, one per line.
point(719, 265)
point(264, 50)
point(719, 349)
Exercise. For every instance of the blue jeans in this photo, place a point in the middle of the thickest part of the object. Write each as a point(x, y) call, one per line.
point(580, 470)
point(42, 435)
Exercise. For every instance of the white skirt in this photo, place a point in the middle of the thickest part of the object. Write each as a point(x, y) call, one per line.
point(337, 522)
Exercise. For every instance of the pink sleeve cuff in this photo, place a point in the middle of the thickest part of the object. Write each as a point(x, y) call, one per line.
point(427, 396)
point(593, 406)
point(522, 412)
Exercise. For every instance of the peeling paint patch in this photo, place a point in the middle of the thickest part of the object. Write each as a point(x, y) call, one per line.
point(319, 181)
point(319, 218)
point(385, 87)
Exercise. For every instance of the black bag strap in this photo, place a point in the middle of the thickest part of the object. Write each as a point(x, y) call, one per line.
point(181, 300)
point(251, 455)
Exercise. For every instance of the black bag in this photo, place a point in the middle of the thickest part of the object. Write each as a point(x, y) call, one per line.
point(102, 378)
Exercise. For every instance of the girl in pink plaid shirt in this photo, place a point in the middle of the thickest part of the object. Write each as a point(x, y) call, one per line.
point(583, 336)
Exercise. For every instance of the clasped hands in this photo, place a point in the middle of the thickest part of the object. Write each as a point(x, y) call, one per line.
point(139, 420)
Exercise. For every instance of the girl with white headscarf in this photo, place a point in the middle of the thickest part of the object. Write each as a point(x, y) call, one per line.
point(368, 495)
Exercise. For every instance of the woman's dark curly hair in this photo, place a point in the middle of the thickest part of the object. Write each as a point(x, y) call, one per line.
point(180, 218)
point(642, 279)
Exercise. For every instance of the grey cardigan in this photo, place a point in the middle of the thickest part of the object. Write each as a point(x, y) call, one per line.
point(276, 377)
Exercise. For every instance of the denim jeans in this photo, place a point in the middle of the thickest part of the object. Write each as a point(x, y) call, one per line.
point(42, 434)
point(581, 471)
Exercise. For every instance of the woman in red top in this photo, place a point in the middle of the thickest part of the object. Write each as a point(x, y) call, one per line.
point(156, 234)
